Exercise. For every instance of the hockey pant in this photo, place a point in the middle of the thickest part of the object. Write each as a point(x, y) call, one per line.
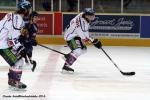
point(77, 48)
point(29, 51)
point(15, 61)
point(11, 56)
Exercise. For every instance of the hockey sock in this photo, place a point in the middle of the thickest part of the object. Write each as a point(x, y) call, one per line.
point(15, 75)
point(70, 59)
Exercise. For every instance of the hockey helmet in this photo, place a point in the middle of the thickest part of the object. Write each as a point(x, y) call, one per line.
point(88, 11)
point(34, 13)
point(24, 5)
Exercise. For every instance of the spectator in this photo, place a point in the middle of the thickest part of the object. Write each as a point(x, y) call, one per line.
point(72, 5)
point(47, 5)
point(126, 3)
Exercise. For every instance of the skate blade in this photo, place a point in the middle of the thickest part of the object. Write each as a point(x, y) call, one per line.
point(17, 89)
point(66, 72)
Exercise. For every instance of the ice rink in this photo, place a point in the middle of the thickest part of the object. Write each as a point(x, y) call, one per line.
point(95, 77)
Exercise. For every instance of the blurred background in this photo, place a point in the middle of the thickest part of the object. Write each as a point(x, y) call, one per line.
point(130, 19)
point(100, 6)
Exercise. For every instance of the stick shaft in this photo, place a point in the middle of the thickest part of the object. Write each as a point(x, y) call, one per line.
point(51, 49)
point(123, 73)
point(111, 59)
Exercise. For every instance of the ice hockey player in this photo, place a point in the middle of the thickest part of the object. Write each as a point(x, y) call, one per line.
point(28, 39)
point(76, 33)
point(26, 17)
point(10, 48)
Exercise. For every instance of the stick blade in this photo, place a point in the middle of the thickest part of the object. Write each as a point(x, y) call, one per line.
point(128, 73)
point(34, 65)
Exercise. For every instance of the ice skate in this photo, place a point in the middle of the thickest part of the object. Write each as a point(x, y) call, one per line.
point(67, 69)
point(16, 84)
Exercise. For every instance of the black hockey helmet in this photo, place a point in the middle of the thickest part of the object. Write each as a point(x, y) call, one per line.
point(24, 5)
point(34, 13)
point(88, 11)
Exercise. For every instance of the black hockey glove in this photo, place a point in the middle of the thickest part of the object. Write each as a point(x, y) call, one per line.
point(97, 43)
point(21, 51)
point(34, 42)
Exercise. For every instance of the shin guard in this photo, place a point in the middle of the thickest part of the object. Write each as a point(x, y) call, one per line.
point(70, 59)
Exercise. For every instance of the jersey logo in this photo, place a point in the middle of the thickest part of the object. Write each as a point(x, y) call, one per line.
point(77, 23)
point(16, 23)
point(16, 19)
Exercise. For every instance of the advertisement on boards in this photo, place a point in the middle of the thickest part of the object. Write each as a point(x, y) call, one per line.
point(45, 24)
point(2, 15)
point(111, 26)
point(145, 26)
point(116, 26)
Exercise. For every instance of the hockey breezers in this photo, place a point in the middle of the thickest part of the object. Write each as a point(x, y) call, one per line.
point(123, 73)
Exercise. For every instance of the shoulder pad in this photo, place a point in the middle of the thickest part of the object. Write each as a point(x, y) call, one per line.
point(18, 22)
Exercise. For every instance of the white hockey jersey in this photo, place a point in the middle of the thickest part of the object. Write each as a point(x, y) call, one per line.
point(10, 27)
point(78, 27)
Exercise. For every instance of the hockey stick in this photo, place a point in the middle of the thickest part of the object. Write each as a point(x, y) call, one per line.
point(27, 60)
point(34, 65)
point(123, 73)
point(52, 49)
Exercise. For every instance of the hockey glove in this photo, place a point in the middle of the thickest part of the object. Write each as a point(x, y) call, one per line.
point(14, 43)
point(10, 42)
point(97, 43)
point(21, 51)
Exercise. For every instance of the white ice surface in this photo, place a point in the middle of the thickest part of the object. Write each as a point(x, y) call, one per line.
point(95, 77)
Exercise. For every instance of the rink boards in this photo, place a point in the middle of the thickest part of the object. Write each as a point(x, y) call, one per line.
point(111, 29)
point(105, 41)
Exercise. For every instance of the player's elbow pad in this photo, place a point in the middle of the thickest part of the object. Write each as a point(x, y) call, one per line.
point(97, 43)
